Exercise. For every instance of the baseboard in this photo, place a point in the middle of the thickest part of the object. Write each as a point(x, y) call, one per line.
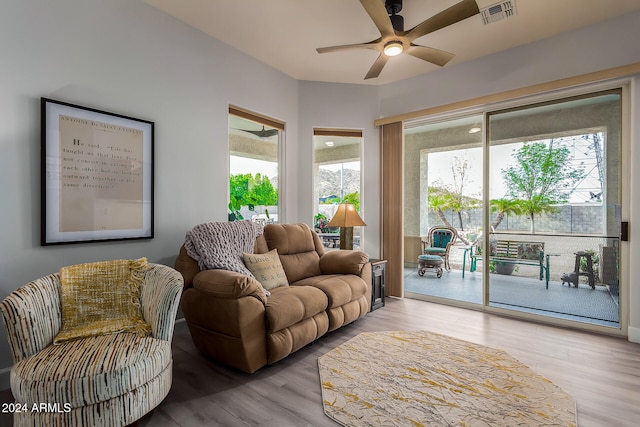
point(633, 334)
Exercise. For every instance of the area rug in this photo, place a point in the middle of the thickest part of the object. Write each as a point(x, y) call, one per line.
point(419, 378)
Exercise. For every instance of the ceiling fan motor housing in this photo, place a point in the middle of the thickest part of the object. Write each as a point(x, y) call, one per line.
point(393, 8)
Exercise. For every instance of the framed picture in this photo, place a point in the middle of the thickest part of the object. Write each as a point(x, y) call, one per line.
point(97, 175)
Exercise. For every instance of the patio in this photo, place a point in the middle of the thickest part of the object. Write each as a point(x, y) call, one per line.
point(583, 304)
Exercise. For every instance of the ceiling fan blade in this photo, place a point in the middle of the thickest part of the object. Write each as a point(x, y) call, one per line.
point(378, 14)
point(429, 54)
point(377, 67)
point(263, 133)
point(370, 45)
point(456, 13)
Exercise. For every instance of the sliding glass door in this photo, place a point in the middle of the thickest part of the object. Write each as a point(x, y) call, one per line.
point(443, 170)
point(555, 169)
point(533, 193)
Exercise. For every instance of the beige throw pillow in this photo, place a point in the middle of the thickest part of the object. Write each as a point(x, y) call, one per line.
point(102, 298)
point(267, 269)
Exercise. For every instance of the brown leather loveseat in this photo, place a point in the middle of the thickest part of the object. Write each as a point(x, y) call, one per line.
point(231, 320)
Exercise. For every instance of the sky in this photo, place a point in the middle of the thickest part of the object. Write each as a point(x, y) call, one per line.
point(440, 168)
point(238, 165)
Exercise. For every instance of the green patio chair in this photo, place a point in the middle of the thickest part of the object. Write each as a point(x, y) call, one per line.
point(439, 241)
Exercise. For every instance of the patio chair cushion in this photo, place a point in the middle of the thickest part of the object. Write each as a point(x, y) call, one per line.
point(529, 250)
point(427, 257)
point(434, 250)
point(441, 238)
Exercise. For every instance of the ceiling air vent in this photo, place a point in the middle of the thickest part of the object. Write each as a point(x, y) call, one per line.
point(498, 11)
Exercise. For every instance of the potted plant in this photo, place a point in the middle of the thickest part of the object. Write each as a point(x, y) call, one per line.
point(505, 268)
point(320, 223)
point(234, 214)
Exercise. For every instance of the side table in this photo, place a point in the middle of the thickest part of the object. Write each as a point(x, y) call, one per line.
point(377, 282)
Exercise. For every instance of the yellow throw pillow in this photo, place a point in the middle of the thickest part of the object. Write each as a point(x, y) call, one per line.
point(102, 298)
point(267, 269)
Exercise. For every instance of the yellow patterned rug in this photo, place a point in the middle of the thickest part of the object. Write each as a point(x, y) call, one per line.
point(420, 378)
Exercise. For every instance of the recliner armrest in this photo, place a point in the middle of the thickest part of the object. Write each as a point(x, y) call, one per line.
point(343, 262)
point(228, 285)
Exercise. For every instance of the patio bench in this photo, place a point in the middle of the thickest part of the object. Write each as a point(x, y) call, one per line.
point(512, 252)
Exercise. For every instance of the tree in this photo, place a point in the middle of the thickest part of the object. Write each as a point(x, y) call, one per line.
point(459, 173)
point(504, 207)
point(451, 196)
point(263, 193)
point(440, 201)
point(247, 190)
point(541, 178)
point(238, 189)
point(354, 199)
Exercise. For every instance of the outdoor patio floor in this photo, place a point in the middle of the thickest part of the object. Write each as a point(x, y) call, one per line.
point(582, 304)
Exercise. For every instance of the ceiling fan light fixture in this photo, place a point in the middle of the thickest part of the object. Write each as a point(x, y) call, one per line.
point(393, 48)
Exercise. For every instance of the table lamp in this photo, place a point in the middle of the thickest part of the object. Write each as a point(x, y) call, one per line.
point(346, 217)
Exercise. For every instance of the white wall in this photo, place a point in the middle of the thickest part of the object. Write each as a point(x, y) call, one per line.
point(598, 47)
point(125, 57)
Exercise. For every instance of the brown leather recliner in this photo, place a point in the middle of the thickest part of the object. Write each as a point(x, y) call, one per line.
point(231, 321)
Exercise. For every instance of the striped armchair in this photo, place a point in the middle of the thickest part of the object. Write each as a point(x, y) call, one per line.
point(108, 380)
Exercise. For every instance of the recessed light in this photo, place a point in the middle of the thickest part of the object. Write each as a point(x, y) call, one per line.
point(329, 143)
point(475, 129)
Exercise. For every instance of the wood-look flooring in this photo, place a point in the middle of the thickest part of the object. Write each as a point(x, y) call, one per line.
point(601, 372)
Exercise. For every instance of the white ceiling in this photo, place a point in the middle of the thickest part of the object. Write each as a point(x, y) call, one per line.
point(285, 33)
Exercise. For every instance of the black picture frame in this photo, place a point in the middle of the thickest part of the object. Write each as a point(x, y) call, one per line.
point(97, 174)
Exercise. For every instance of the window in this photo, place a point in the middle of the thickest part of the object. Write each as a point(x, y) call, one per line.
point(337, 179)
point(255, 143)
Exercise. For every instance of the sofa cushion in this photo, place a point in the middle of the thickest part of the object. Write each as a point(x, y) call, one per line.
point(299, 248)
point(289, 305)
point(340, 289)
point(60, 373)
point(99, 298)
point(267, 269)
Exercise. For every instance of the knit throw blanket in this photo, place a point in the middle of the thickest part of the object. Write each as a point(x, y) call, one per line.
point(220, 245)
point(101, 298)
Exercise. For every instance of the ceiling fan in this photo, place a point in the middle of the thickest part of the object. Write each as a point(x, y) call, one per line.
point(264, 133)
point(394, 40)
